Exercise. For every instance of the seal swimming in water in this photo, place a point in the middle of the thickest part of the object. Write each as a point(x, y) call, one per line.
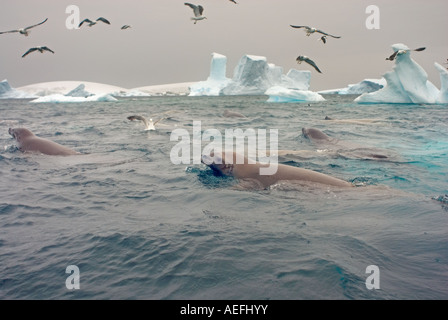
point(248, 170)
point(358, 151)
point(29, 142)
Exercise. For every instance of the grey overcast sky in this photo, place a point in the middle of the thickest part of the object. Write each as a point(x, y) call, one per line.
point(164, 46)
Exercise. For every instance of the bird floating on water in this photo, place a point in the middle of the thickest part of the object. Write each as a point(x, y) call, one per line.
point(310, 30)
point(301, 59)
point(25, 31)
point(150, 125)
point(40, 49)
point(92, 23)
point(197, 10)
point(400, 52)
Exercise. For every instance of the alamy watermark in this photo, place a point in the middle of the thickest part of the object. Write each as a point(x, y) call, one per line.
point(72, 21)
point(189, 149)
point(373, 20)
point(373, 280)
point(73, 280)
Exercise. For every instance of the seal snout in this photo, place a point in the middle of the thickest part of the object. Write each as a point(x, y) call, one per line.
point(11, 132)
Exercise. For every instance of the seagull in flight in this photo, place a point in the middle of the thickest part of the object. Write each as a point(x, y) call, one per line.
point(125, 27)
point(40, 49)
point(198, 10)
point(310, 30)
point(399, 52)
point(92, 23)
point(301, 59)
point(25, 31)
point(233, 1)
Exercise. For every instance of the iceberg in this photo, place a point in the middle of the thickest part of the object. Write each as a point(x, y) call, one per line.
point(365, 86)
point(7, 92)
point(282, 94)
point(406, 83)
point(60, 98)
point(252, 76)
point(216, 81)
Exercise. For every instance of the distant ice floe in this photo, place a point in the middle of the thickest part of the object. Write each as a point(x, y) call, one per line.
point(408, 83)
point(60, 98)
point(365, 86)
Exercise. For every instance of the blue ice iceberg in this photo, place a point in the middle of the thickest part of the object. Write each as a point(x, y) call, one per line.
point(406, 83)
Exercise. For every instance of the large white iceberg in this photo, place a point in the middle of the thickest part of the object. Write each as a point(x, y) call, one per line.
point(252, 76)
point(406, 83)
point(7, 92)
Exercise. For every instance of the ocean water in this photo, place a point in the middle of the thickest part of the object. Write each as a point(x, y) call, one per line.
point(138, 226)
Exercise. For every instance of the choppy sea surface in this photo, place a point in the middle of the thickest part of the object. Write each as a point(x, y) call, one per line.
point(138, 226)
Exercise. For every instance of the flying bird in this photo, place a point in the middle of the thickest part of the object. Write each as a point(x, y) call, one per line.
point(197, 10)
point(40, 49)
point(92, 23)
point(24, 31)
point(399, 52)
point(323, 39)
point(233, 1)
point(125, 27)
point(310, 30)
point(309, 61)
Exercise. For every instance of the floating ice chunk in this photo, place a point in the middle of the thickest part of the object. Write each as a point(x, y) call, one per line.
point(282, 94)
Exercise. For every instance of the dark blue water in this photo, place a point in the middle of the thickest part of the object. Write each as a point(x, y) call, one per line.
point(139, 227)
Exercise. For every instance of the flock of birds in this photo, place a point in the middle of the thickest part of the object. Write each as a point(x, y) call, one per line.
point(26, 31)
point(198, 11)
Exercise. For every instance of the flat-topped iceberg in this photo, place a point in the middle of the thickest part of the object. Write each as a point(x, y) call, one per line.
point(406, 83)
